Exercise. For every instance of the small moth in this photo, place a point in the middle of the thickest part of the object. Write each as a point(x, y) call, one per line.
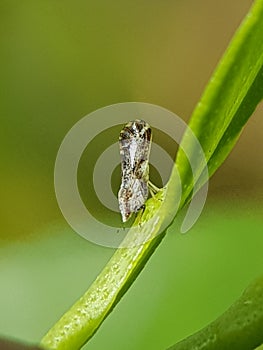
point(135, 143)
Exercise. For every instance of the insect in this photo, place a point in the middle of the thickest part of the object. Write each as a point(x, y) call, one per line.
point(135, 143)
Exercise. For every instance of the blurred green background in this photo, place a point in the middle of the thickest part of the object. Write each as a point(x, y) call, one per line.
point(62, 60)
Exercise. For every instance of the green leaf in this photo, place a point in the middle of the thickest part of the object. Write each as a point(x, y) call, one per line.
point(228, 101)
point(239, 328)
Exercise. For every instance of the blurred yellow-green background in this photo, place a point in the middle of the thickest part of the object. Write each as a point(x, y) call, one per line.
point(61, 60)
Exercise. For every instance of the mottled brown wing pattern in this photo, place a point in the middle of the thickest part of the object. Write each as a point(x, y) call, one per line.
point(135, 142)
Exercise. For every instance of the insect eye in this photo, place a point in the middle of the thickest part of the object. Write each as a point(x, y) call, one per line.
point(124, 135)
point(139, 126)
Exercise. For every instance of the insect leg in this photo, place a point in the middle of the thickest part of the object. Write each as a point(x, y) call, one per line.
point(152, 188)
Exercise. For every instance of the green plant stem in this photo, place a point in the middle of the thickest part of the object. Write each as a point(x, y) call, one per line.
point(239, 328)
point(229, 99)
point(82, 320)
